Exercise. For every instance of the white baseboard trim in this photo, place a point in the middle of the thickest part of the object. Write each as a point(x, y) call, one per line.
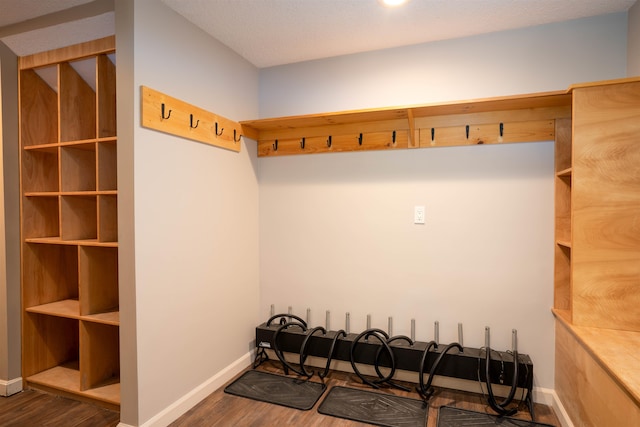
point(191, 399)
point(550, 398)
point(7, 388)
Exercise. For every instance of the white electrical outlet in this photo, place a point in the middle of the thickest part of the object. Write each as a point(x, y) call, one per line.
point(418, 215)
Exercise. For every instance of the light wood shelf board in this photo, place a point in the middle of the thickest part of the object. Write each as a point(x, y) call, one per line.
point(603, 83)
point(565, 243)
point(615, 351)
point(78, 51)
point(48, 148)
point(518, 102)
point(107, 318)
point(66, 378)
point(59, 241)
point(69, 308)
point(525, 118)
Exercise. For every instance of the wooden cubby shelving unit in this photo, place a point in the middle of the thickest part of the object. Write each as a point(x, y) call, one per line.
point(597, 254)
point(69, 222)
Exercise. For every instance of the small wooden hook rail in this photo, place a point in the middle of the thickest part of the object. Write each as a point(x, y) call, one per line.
point(170, 115)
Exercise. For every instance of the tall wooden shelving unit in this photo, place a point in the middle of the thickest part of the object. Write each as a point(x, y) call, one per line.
point(70, 328)
point(597, 254)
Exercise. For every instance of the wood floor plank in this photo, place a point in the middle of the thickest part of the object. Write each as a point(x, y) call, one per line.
point(35, 408)
point(220, 409)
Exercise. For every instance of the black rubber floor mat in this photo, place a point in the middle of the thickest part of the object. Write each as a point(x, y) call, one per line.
point(277, 389)
point(374, 408)
point(455, 417)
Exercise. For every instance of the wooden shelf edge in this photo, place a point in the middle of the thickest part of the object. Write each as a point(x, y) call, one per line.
point(564, 173)
point(69, 308)
point(603, 83)
point(595, 339)
point(58, 241)
point(50, 148)
point(565, 243)
point(68, 53)
point(66, 379)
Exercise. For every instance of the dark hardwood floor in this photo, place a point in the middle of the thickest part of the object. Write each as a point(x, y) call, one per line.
point(221, 409)
point(33, 408)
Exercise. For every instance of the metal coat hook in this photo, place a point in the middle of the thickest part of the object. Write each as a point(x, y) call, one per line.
point(467, 130)
point(221, 130)
point(302, 143)
point(433, 134)
point(275, 145)
point(393, 137)
point(501, 130)
point(191, 122)
point(329, 141)
point(360, 139)
point(169, 115)
point(234, 136)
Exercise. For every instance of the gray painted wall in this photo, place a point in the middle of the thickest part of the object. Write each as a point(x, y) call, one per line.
point(190, 286)
point(336, 230)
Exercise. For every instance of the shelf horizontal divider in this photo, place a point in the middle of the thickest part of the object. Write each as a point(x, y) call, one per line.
point(58, 241)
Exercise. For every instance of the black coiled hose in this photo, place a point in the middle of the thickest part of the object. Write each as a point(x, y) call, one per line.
point(376, 365)
point(426, 391)
point(423, 360)
point(283, 317)
point(382, 336)
point(303, 349)
point(342, 333)
point(276, 348)
point(500, 407)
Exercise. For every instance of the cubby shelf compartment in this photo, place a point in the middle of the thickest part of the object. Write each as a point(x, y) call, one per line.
point(40, 217)
point(78, 167)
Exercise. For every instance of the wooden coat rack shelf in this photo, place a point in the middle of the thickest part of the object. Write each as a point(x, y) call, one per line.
point(170, 115)
point(524, 118)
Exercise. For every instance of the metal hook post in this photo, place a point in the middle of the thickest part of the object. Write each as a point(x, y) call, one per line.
point(467, 131)
point(275, 145)
point(234, 136)
point(347, 322)
point(360, 139)
point(501, 130)
point(302, 143)
point(162, 112)
point(221, 130)
point(329, 141)
point(191, 122)
point(393, 137)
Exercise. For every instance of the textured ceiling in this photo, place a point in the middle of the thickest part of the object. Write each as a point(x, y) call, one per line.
point(14, 11)
point(274, 32)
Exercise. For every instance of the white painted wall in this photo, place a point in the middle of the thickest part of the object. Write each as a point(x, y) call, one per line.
point(633, 41)
point(336, 230)
point(192, 285)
